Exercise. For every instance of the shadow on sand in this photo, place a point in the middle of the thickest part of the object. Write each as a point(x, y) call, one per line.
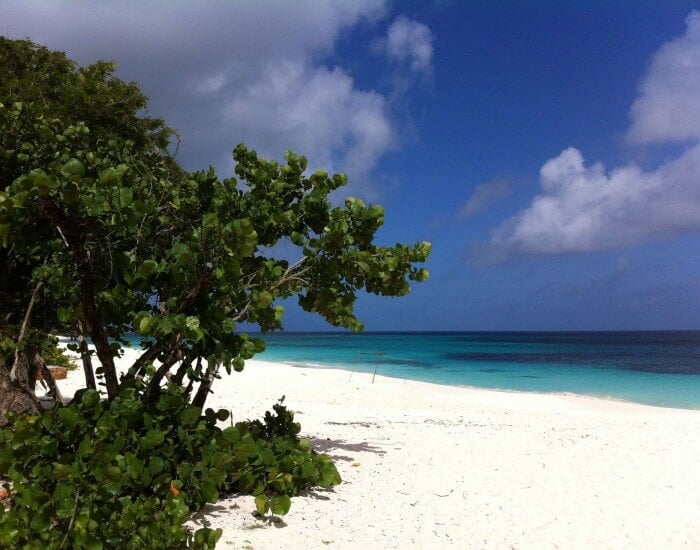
point(201, 518)
point(332, 448)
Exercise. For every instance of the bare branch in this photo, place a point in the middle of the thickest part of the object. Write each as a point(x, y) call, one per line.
point(23, 330)
point(286, 278)
point(72, 519)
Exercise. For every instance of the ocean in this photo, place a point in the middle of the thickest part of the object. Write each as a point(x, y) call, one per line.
point(654, 368)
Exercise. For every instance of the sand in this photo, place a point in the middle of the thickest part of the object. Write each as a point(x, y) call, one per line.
point(430, 466)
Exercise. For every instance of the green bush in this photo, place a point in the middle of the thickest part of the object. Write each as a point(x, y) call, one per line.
point(122, 474)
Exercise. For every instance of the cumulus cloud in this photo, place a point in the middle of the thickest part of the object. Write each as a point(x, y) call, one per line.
point(410, 42)
point(253, 72)
point(668, 106)
point(585, 208)
point(485, 195)
point(318, 109)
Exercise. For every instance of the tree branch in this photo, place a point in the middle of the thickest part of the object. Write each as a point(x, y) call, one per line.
point(205, 387)
point(148, 356)
point(181, 371)
point(154, 383)
point(23, 330)
point(72, 519)
point(287, 277)
point(72, 232)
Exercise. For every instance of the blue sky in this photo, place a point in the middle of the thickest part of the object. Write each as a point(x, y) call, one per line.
point(548, 150)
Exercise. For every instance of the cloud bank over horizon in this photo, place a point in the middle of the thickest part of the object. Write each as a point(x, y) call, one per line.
point(242, 72)
point(587, 208)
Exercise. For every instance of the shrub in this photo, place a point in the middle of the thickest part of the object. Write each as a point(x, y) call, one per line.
point(97, 474)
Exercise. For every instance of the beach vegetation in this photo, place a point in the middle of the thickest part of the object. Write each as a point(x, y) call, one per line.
point(104, 235)
point(112, 474)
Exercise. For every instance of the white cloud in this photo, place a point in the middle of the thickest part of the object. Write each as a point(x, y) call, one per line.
point(584, 208)
point(408, 41)
point(485, 195)
point(668, 106)
point(211, 85)
point(317, 109)
point(225, 73)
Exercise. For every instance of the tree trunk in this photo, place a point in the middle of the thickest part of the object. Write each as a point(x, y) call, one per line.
point(13, 398)
point(87, 360)
point(205, 387)
point(48, 377)
point(24, 371)
point(181, 371)
point(72, 232)
point(15, 374)
point(154, 383)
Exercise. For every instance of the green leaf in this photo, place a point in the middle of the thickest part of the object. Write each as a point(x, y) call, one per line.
point(209, 491)
point(90, 398)
point(238, 364)
point(70, 193)
point(422, 275)
point(73, 169)
point(190, 415)
point(64, 508)
point(63, 471)
point(145, 324)
point(280, 505)
point(152, 439)
point(146, 268)
point(262, 504)
point(297, 238)
point(109, 176)
point(126, 195)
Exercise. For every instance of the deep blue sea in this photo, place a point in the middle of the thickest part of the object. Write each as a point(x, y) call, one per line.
point(656, 368)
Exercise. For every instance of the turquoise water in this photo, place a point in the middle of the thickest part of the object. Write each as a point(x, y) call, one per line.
point(655, 368)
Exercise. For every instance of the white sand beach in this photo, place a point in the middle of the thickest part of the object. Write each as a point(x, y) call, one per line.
point(430, 466)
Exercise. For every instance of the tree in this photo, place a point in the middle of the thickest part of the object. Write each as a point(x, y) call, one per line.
point(102, 232)
point(55, 89)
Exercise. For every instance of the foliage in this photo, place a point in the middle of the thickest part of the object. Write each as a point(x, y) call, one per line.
point(121, 238)
point(285, 461)
point(124, 474)
point(55, 88)
point(102, 232)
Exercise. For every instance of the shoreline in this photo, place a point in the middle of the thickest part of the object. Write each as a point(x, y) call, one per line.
point(639, 397)
point(319, 366)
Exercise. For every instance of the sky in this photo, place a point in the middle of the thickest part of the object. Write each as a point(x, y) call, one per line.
point(549, 150)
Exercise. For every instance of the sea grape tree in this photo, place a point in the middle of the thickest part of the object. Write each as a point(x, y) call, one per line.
point(102, 233)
